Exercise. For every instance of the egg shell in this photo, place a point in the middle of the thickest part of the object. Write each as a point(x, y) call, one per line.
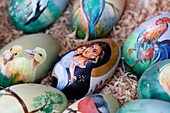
point(95, 18)
point(31, 98)
point(150, 86)
point(86, 68)
point(93, 104)
point(27, 59)
point(148, 44)
point(32, 16)
point(145, 106)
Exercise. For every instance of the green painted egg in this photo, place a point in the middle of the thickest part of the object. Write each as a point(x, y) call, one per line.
point(155, 82)
point(86, 68)
point(95, 18)
point(32, 98)
point(145, 106)
point(148, 44)
point(32, 16)
point(27, 59)
point(99, 103)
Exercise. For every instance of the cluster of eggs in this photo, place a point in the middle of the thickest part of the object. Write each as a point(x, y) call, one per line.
point(86, 68)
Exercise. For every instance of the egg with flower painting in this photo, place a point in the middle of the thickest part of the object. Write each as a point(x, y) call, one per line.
point(155, 82)
point(32, 98)
point(86, 68)
point(148, 44)
point(145, 106)
point(99, 103)
point(95, 18)
point(32, 16)
point(27, 59)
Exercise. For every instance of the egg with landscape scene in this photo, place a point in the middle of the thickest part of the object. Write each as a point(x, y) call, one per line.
point(32, 98)
point(27, 59)
point(95, 18)
point(148, 44)
point(32, 16)
point(86, 68)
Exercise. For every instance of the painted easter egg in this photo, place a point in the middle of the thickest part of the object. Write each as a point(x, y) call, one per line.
point(98, 103)
point(32, 98)
point(155, 82)
point(86, 68)
point(27, 59)
point(145, 106)
point(148, 44)
point(95, 18)
point(32, 16)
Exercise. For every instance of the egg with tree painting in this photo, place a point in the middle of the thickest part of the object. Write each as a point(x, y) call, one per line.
point(98, 103)
point(95, 18)
point(32, 98)
point(27, 59)
point(86, 68)
point(148, 44)
point(155, 82)
point(32, 16)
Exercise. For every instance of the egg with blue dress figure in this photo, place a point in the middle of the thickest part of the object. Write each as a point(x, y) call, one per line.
point(148, 44)
point(86, 68)
point(32, 16)
point(95, 18)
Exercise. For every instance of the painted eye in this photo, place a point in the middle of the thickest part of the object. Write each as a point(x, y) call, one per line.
point(16, 53)
point(11, 49)
point(40, 54)
point(95, 51)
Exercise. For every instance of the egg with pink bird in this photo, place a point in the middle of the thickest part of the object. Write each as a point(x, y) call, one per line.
point(148, 44)
point(32, 16)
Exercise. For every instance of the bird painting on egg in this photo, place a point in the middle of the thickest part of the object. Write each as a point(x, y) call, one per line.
point(95, 18)
point(150, 47)
point(91, 104)
point(75, 67)
point(21, 69)
point(38, 7)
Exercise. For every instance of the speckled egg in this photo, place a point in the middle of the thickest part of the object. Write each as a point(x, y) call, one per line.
point(145, 106)
point(148, 44)
point(32, 16)
point(32, 98)
point(95, 18)
point(155, 82)
point(99, 103)
point(86, 68)
point(27, 59)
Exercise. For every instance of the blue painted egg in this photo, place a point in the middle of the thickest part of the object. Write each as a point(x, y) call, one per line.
point(155, 82)
point(145, 106)
point(95, 18)
point(33, 16)
point(148, 44)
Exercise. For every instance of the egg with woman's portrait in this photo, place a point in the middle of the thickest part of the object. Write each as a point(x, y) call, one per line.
point(86, 68)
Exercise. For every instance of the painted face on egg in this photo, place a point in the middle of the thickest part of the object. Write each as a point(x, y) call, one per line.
point(152, 44)
point(77, 68)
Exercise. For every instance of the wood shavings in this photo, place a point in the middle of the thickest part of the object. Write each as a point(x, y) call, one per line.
point(123, 85)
